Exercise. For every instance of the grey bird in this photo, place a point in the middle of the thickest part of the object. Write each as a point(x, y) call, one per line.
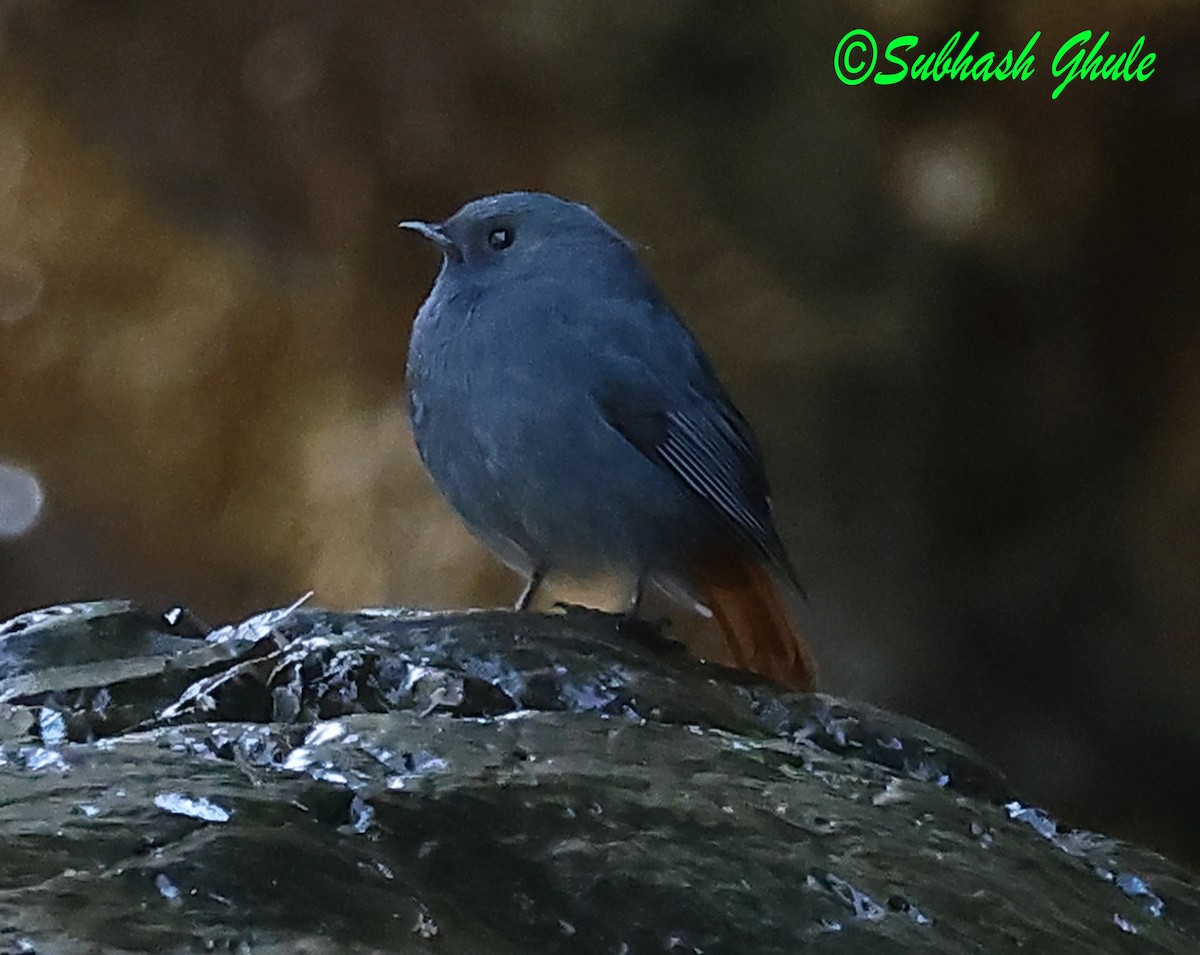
point(577, 428)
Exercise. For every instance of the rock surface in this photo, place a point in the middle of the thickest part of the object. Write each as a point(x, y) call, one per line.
point(394, 781)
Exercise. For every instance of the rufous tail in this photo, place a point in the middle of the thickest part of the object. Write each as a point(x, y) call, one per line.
point(758, 628)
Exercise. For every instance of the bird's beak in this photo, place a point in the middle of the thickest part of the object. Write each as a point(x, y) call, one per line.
point(434, 234)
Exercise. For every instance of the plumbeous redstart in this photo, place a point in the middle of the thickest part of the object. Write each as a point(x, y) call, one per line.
point(577, 428)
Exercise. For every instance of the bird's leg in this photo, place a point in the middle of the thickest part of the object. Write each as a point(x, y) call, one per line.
point(531, 586)
point(635, 599)
point(630, 624)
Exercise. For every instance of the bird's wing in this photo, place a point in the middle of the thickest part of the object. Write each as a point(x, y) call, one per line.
point(683, 421)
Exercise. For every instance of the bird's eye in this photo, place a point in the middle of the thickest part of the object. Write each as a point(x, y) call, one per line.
point(500, 238)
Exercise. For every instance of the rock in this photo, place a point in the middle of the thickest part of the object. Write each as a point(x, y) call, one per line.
point(490, 781)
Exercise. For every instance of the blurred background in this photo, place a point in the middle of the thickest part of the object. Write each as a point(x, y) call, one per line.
point(962, 317)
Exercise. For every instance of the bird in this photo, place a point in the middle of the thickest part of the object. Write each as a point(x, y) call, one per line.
point(576, 426)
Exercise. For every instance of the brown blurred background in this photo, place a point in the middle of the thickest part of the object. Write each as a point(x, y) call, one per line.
point(963, 318)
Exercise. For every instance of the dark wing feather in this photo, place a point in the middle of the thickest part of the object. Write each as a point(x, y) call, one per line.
point(702, 439)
